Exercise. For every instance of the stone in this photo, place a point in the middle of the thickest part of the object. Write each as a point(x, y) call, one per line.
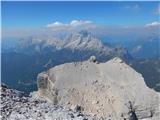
point(92, 59)
point(78, 108)
point(95, 102)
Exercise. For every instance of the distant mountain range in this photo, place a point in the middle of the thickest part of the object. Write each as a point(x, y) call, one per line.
point(23, 59)
point(81, 44)
point(148, 48)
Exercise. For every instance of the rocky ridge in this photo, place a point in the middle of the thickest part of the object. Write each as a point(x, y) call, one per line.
point(86, 90)
point(111, 89)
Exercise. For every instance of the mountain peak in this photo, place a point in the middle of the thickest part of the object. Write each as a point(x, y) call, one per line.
point(83, 40)
point(84, 33)
point(81, 34)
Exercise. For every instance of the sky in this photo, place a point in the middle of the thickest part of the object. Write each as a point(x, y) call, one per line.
point(40, 14)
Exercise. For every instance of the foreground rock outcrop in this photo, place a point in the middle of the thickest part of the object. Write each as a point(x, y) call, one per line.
point(16, 106)
point(111, 89)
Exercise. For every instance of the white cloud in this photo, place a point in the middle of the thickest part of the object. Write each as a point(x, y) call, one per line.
point(56, 24)
point(134, 7)
point(62, 29)
point(79, 22)
point(73, 23)
point(153, 24)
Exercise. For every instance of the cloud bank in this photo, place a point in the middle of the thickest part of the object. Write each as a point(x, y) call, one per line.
point(153, 24)
point(73, 23)
point(60, 29)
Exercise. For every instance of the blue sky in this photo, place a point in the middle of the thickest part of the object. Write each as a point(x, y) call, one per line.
point(39, 14)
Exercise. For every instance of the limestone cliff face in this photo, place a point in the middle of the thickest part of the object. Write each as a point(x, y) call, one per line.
point(104, 89)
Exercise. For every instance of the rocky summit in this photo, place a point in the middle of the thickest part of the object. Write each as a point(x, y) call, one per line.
point(86, 90)
point(110, 89)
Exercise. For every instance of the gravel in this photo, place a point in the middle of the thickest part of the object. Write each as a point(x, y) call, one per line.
point(16, 106)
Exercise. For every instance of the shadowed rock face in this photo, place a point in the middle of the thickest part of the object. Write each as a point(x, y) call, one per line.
point(103, 89)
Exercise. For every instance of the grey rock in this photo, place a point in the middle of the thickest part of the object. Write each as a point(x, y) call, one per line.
point(111, 88)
